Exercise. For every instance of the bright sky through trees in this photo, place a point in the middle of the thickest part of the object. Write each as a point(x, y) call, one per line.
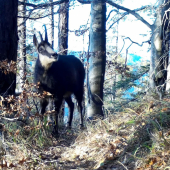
point(79, 15)
point(130, 27)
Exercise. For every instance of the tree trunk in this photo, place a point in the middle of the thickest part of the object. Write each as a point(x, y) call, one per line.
point(63, 28)
point(51, 38)
point(115, 76)
point(166, 40)
point(63, 41)
point(8, 43)
point(22, 45)
point(158, 62)
point(97, 60)
point(51, 41)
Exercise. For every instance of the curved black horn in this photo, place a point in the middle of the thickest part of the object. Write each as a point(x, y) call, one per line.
point(46, 37)
point(41, 36)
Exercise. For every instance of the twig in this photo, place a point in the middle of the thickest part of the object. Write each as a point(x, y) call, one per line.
point(110, 13)
point(8, 88)
point(122, 165)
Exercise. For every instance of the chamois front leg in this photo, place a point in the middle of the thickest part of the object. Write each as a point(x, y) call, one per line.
point(57, 103)
point(43, 105)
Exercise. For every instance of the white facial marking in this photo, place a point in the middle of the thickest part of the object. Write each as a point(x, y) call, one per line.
point(49, 49)
point(46, 61)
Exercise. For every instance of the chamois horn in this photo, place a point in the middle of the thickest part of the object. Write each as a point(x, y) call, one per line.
point(46, 37)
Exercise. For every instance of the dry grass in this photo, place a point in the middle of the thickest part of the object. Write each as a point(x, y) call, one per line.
point(137, 138)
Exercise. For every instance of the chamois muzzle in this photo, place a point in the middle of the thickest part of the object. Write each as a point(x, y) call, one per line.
point(55, 56)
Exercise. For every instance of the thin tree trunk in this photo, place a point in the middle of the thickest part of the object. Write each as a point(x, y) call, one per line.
point(114, 78)
point(22, 57)
point(51, 41)
point(51, 38)
point(8, 43)
point(63, 41)
point(97, 60)
point(156, 50)
point(63, 28)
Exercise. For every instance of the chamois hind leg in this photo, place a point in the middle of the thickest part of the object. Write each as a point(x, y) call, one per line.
point(79, 97)
point(43, 105)
point(71, 110)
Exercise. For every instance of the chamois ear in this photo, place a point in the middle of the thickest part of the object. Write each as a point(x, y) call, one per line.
point(35, 41)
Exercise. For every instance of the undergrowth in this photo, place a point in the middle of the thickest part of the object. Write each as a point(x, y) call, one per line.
point(136, 138)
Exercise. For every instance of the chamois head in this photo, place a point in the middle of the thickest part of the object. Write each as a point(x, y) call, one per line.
point(45, 52)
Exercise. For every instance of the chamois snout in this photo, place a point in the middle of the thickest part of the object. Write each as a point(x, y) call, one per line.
point(54, 56)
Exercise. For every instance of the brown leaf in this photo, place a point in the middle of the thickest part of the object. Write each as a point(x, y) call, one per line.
point(17, 132)
point(164, 109)
point(152, 161)
point(160, 134)
point(22, 161)
point(118, 141)
point(117, 151)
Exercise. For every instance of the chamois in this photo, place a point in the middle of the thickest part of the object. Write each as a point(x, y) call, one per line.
point(60, 75)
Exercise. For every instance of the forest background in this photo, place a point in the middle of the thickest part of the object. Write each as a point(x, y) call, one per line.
point(124, 46)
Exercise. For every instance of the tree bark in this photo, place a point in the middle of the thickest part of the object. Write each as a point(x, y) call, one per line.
point(51, 41)
point(166, 40)
point(22, 47)
point(51, 24)
point(97, 60)
point(63, 41)
point(159, 60)
point(8, 43)
point(63, 28)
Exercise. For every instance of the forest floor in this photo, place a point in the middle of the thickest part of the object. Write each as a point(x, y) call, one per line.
point(138, 138)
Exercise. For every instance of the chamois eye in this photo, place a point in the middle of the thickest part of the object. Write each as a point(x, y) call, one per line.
point(41, 49)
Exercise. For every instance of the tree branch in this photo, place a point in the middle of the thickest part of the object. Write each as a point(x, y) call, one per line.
point(124, 14)
point(28, 16)
point(85, 1)
point(133, 42)
point(43, 5)
point(132, 12)
point(110, 13)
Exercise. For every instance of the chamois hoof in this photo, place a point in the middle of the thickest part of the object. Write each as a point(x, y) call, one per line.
point(82, 127)
point(55, 133)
